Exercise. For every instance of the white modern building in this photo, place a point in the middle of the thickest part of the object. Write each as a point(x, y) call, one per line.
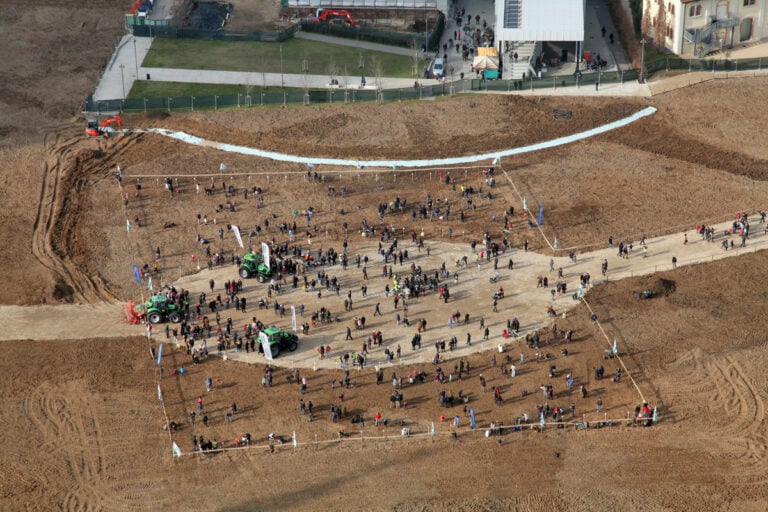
point(538, 20)
point(699, 27)
point(524, 25)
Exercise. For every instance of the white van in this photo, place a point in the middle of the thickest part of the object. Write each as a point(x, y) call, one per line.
point(438, 69)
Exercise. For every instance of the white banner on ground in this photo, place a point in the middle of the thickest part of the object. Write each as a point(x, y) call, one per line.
point(282, 157)
point(236, 231)
point(265, 253)
point(293, 318)
point(264, 339)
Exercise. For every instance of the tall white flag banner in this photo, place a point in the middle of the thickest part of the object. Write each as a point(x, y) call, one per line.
point(176, 450)
point(265, 253)
point(295, 444)
point(159, 393)
point(236, 231)
point(264, 339)
point(293, 318)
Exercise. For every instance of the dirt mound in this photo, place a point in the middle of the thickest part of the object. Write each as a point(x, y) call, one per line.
point(663, 287)
point(155, 115)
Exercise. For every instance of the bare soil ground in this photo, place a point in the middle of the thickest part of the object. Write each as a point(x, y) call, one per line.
point(707, 452)
point(256, 15)
point(83, 414)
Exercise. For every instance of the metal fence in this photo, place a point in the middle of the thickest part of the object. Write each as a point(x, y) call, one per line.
point(265, 98)
point(554, 82)
point(276, 96)
point(714, 65)
point(173, 32)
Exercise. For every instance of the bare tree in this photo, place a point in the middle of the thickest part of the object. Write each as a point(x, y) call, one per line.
point(415, 56)
point(660, 27)
point(333, 69)
point(378, 71)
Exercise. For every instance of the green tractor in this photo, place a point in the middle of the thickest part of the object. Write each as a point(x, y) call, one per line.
point(253, 265)
point(280, 340)
point(158, 309)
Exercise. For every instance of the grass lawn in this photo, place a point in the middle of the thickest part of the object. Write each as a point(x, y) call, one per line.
point(155, 89)
point(656, 60)
point(258, 56)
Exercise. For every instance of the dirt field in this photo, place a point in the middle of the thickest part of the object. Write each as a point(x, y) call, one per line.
point(256, 15)
point(82, 415)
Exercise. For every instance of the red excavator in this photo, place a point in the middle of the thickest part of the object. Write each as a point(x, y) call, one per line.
point(334, 16)
point(94, 129)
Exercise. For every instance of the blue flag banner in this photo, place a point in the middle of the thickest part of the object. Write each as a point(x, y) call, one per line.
point(472, 418)
point(541, 214)
point(137, 274)
point(159, 354)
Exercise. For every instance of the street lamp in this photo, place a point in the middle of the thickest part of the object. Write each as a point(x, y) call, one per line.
point(282, 77)
point(135, 57)
point(642, 60)
point(122, 78)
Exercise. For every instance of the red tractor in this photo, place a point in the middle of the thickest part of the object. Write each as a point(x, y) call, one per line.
point(94, 129)
point(334, 16)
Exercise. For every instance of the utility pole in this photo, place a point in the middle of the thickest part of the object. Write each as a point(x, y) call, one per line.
point(122, 78)
point(282, 76)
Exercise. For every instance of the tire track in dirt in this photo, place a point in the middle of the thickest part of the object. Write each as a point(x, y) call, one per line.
point(747, 410)
point(63, 430)
point(735, 411)
point(74, 436)
point(68, 167)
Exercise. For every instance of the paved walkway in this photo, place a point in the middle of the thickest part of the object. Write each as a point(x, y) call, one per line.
point(523, 298)
point(271, 79)
point(123, 68)
point(363, 45)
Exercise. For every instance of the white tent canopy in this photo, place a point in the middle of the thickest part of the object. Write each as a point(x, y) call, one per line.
point(481, 62)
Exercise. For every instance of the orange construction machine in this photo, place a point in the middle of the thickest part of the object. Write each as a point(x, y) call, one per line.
point(334, 16)
point(94, 129)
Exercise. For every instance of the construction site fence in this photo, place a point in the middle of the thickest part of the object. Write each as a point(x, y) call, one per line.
point(372, 35)
point(713, 65)
point(388, 37)
point(586, 79)
point(174, 32)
